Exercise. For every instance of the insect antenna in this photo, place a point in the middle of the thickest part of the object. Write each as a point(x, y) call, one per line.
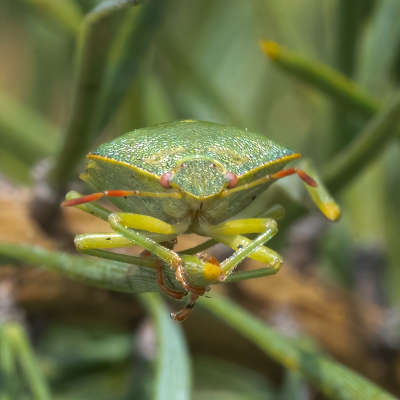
point(301, 174)
point(278, 175)
point(116, 193)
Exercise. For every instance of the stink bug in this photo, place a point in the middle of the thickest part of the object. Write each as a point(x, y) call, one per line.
point(186, 177)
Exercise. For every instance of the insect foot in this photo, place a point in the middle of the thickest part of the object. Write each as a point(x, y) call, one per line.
point(202, 270)
point(180, 276)
point(160, 280)
point(183, 314)
point(276, 265)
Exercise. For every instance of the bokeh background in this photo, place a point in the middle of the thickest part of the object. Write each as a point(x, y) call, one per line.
point(76, 73)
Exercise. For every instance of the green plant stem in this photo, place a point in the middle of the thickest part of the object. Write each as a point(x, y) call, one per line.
point(7, 364)
point(364, 147)
point(348, 21)
point(118, 272)
point(173, 367)
point(348, 163)
point(127, 55)
point(95, 40)
point(333, 379)
point(14, 168)
point(67, 13)
point(347, 34)
point(30, 137)
point(122, 277)
point(367, 145)
point(26, 357)
point(114, 39)
point(379, 48)
point(320, 76)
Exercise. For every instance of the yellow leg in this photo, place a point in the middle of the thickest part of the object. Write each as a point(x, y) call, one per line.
point(125, 223)
point(230, 234)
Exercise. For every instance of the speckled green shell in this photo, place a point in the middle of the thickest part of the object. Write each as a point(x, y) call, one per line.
point(160, 148)
point(136, 161)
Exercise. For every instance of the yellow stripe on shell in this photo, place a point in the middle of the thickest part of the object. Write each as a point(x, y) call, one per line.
point(149, 174)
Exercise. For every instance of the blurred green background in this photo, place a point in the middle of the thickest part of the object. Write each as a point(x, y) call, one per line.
point(76, 73)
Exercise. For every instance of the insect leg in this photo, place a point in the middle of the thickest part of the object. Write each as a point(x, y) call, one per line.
point(183, 314)
point(111, 240)
point(201, 270)
point(93, 244)
point(160, 280)
point(107, 240)
point(229, 232)
point(126, 224)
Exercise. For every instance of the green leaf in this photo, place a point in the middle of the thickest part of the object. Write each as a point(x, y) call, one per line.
point(322, 77)
point(379, 48)
point(96, 37)
point(342, 90)
point(113, 40)
point(113, 275)
point(218, 379)
point(364, 148)
point(173, 369)
point(24, 132)
point(7, 364)
point(127, 55)
point(348, 21)
point(66, 13)
point(333, 379)
point(27, 361)
point(14, 168)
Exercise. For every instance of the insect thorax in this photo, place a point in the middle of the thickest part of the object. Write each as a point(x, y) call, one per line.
point(200, 178)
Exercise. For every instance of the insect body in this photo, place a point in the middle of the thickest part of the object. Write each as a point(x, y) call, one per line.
point(187, 177)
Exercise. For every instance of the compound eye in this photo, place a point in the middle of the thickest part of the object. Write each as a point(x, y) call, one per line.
point(165, 180)
point(233, 179)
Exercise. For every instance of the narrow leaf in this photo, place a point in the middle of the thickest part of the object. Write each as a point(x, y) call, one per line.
point(333, 379)
point(26, 357)
point(173, 370)
point(66, 13)
point(364, 148)
point(105, 274)
point(96, 38)
point(379, 48)
point(320, 76)
point(114, 39)
point(24, 132)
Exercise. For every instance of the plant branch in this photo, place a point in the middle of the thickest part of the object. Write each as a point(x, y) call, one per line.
point(333, 379)
point(173, 367)
point(324, 78)
point(363, 149)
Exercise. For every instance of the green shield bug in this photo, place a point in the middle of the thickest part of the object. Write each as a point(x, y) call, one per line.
point(186, 177)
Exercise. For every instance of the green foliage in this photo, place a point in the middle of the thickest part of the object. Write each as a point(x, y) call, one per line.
point(334, 380)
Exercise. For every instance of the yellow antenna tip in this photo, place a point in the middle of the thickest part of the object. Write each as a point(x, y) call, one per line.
point(270, 48)
point(331, 211)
